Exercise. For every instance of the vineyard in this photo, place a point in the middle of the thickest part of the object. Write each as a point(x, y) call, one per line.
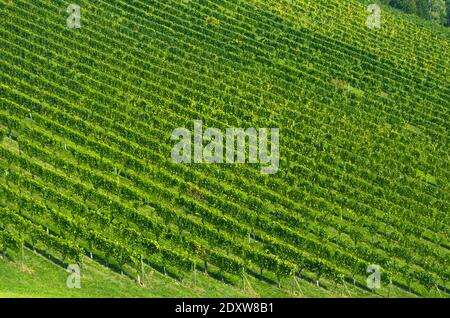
point(86, 116)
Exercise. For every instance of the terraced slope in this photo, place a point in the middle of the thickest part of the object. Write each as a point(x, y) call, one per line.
point(87, 114)
point(36, 276)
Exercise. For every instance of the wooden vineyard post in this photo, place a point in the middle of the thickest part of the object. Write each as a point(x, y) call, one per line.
point(293, 284)
point(389, 289)
point(195, 277)
point(298, 285)
point(195, 273)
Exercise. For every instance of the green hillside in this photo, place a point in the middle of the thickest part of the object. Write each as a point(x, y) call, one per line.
point(88, 113)
point(37, 276)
